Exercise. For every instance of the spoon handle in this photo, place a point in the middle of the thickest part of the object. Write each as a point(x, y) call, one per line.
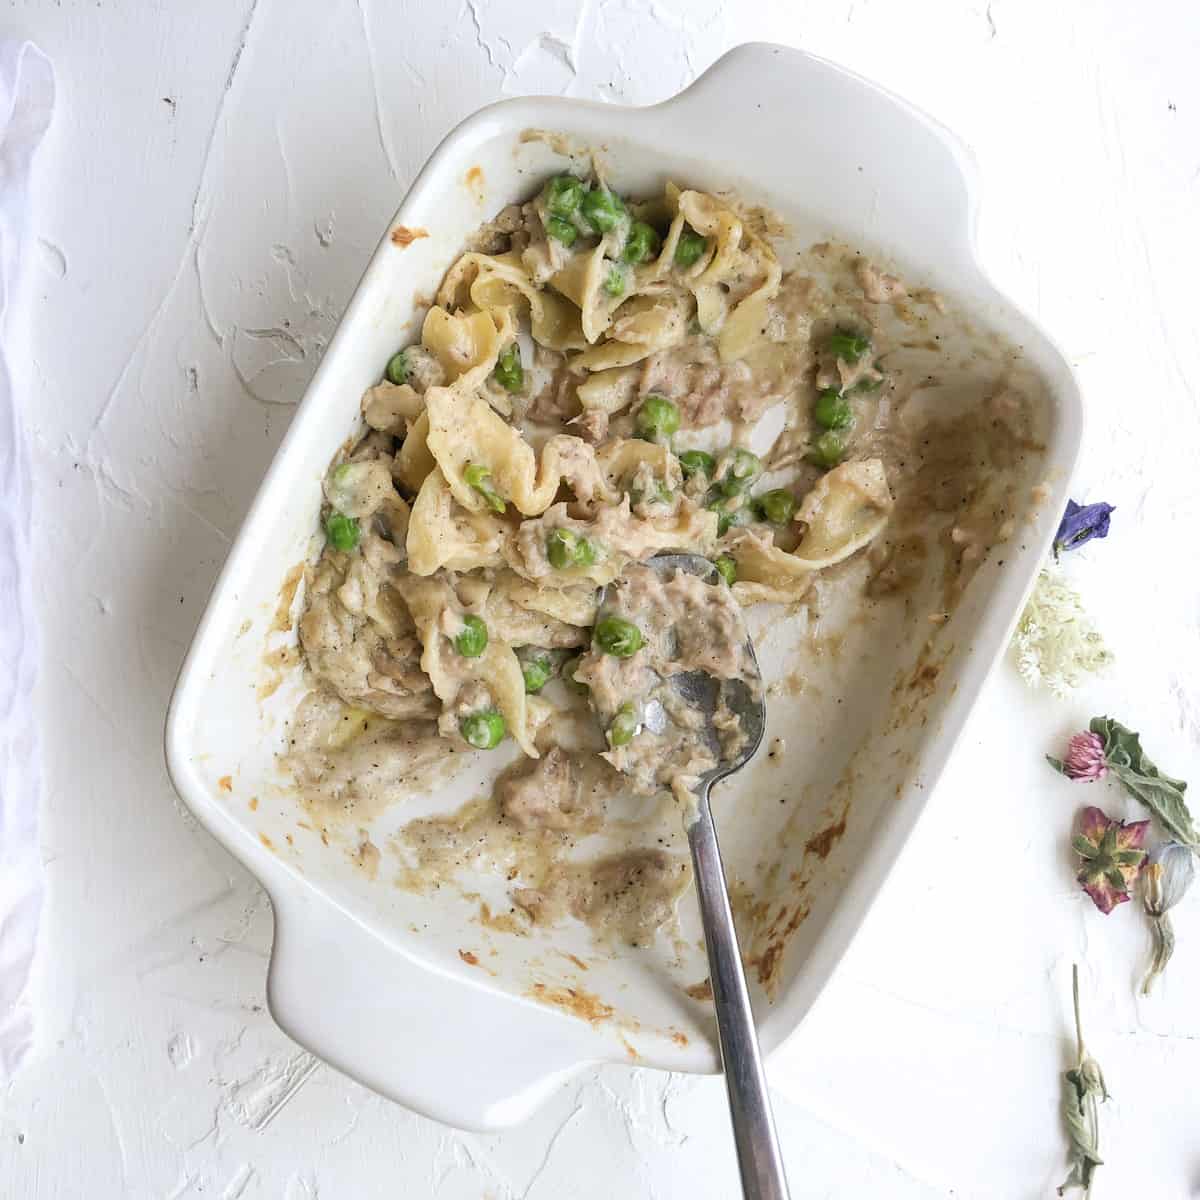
point(759, 1160)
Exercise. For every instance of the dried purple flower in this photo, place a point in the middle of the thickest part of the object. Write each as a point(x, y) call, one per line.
point(1112, 856)
point(1085, 761)
point(1080, 524)
point(1125, 759)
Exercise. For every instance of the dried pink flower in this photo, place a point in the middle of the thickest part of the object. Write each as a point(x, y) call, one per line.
point(1085, 759)
point(1112, 854)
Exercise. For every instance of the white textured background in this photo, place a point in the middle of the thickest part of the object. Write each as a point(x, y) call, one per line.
point(215, 179)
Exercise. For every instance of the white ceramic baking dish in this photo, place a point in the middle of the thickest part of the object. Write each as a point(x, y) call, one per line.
point(424, 998)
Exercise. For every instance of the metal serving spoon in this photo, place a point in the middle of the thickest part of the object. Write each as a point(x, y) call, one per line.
point(759, 1160)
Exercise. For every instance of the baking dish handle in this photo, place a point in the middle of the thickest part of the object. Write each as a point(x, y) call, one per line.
point(913, 183)
point(432, 1042)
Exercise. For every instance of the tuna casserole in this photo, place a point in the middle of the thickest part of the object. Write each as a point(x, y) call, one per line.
point(599, 379)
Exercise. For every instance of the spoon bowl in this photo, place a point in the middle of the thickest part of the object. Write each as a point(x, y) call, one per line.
point(703, 693)
point(759, 1160)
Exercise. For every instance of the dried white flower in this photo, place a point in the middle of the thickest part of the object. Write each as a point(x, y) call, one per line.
point(1056, 644)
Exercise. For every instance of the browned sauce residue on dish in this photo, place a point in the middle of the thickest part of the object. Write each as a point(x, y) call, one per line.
point(924, 677)
point(914, 689)
point(403, 236)
point(277, 662)
point(577, 1002)
point(572, 958)
point(679, 1037)
point(750, 906)
point(225, 783)
point(266, 841)
point(475, 183)
point(253, 804)
point(634, 1056)
point(366, 857)
point(558, 142)
point(501, 922)
point(775, 921)
point(821, 843)
point(701, 991)
point(767, 964)
point(469, 957)
point(281, 622)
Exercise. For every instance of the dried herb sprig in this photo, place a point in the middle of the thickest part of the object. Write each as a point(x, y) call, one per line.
point(1165, 880)
point(1129, 763)
point(1083, 1089)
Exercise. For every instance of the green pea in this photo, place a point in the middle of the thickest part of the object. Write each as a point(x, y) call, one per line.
point(727, 517)
point(602, 209)
point(642, 243)
point(483, 730)
point(565, 548)
point(561, 231)
point(658, 494)
point(509, 373)
point(657, 419)
point(833, 410)
point(778, 506)
point(618, 637)
point(561, 546)
point(848, 345)
point(625, 726)
point(396, 370)
point(696, 462)
point(614, 282)
point(479, 478)
point(473, 639)
point(568, 675)
point(536, 672)
point(563, 194)
point(828, 450)
point(729, 509)
point(726, 568)
point(342, 531)
point(690, 247)
point(744, 468)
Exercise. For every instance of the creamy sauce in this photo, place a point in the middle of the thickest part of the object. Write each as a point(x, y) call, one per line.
point(349, 765)
point(535, 829)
